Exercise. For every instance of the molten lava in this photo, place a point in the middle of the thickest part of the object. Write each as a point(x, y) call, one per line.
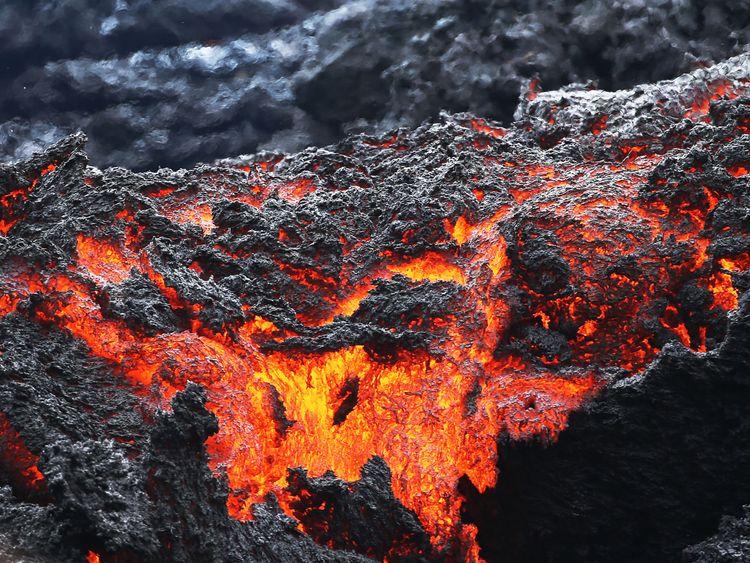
point(339, 306)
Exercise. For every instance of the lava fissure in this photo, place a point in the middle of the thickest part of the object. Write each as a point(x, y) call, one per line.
point(341, 335)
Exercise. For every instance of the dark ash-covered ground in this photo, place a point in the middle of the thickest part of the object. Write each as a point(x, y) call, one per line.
point(175, 83)
point(643, 471)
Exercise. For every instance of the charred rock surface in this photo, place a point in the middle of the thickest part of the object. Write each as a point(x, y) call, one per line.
point(113, 482)
point(197, 527)
point(731, 543)
point(172, 83)
point(363, 513)
point(647, 467)
point(228, 362)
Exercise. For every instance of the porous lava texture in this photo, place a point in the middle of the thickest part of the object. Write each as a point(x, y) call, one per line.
point(373, 350)
point(173, 82)
point(730, 544)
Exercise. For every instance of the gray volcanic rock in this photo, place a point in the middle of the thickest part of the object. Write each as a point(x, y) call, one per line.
point(642, 470)
point(136, 306)
point(102, 491)
point(651, 464)
point(731, 544)
point(173, 83)
point(38, 31)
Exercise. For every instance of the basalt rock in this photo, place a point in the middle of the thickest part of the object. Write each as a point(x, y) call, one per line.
point(731, 543)
point(310, 357)
point(174, 83)
point(643, 470)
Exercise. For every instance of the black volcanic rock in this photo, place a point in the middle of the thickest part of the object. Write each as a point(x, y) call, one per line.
point(99, 353)
point(731, 544)
point(363, 513)
point(141, 305)
point(196, 526)
point(173, 83)
point(135, 497)
point(641, 471)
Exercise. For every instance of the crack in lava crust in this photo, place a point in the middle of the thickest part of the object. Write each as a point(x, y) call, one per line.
point(410, 297)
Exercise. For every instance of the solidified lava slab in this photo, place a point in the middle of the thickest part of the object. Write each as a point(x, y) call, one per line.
point(173, 82)
point(312, 356)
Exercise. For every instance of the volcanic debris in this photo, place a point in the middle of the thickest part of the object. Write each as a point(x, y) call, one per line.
point(311, 357)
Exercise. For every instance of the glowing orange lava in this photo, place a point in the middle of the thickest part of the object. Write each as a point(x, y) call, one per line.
point(432, 412)
point(16, 459)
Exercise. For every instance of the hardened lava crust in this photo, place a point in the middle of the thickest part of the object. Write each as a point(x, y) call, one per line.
point(453, 343)
point(174, 82)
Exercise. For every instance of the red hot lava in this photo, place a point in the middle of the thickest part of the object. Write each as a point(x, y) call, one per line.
point(423, 293)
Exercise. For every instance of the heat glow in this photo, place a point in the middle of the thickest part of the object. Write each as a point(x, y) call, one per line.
point(547, 283)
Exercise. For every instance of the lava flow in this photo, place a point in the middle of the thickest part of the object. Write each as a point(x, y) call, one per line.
point(410, 298)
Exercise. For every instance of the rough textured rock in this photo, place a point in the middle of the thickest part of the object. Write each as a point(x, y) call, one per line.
point(174, 83)
point(137, 496)
point(340, 514)
point(731, 544)
point(172, 344)
point(643, 470)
